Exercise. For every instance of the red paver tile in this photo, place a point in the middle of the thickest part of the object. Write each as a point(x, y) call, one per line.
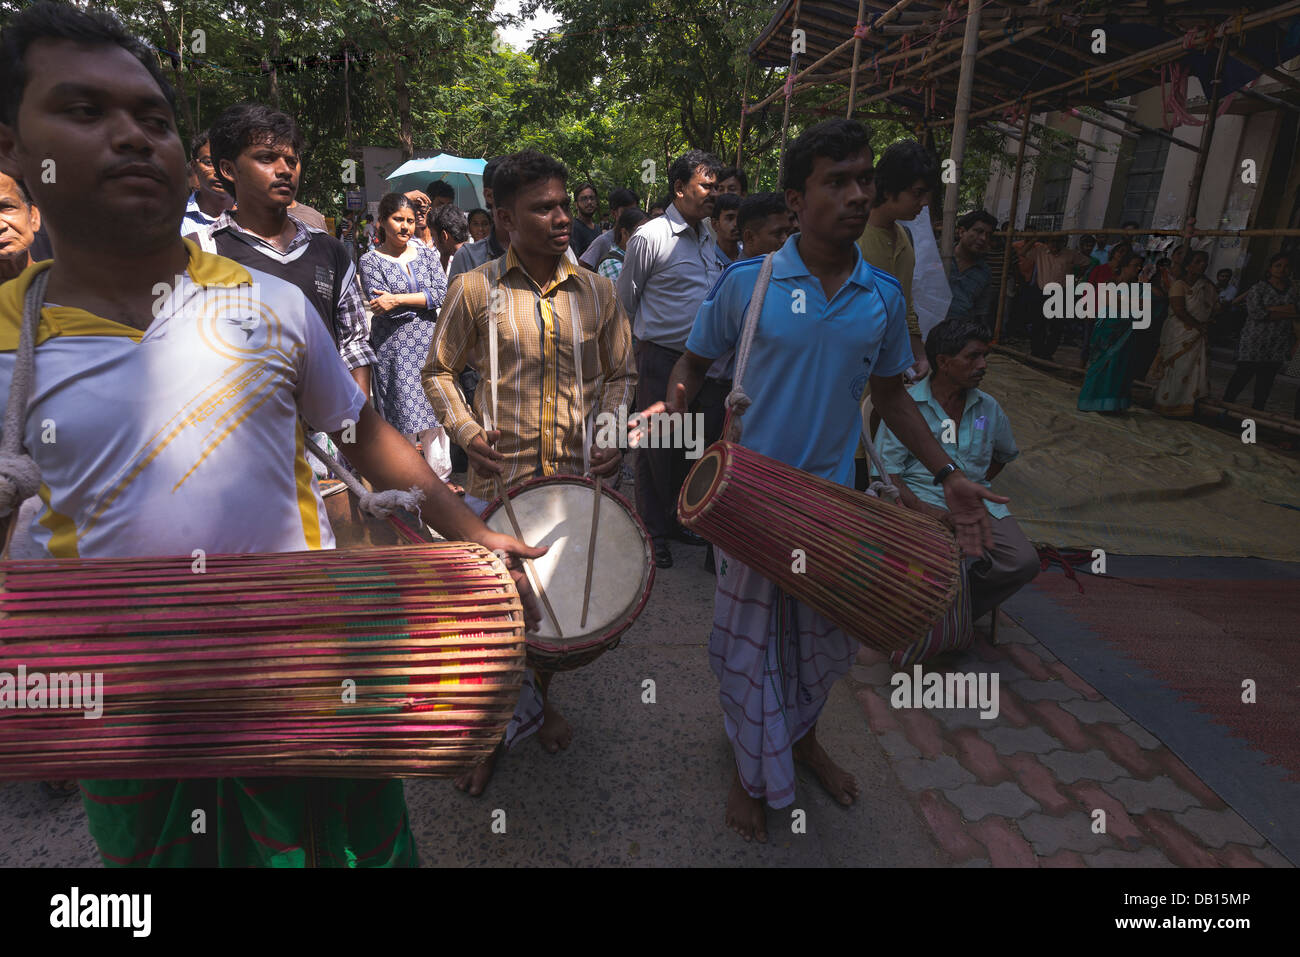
point(1011, 708)
point(1029, 662)
point(1060, 723)
point(1063, 859)
point(1118, 824)
point(948, 827)
point(1179, 846)
point(1039, 783)
point(1006, 847)
point(1125, 750)
point(979, 758)
point(880, 716)
point(1234, 855)
point(1074, 681)
point(1187, 780)
point(922, 730)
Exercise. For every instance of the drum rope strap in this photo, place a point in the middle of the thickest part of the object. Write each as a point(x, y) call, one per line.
point(378, 504)
point(20, 476)
point(575, 321)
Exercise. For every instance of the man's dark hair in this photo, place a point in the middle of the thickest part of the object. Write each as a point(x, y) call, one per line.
point(901, 166)
point(684, 168)
point(519, 170)
point(630, 219)
point(490, 170)
point(62, 21)
point(724, 202)
point(967, 220)
point(663, 203)
point(1130, 224)
point(834, 139)
point(950, 337)
point(474, 212)
point(250, 124)
point(623, 197)
point(759, 207)
point(197, 142)
point(440, 187)
point(586, 186)
point(451, 220)
point(729, 171)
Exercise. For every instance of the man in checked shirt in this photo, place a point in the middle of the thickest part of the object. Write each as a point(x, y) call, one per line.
point(533, 294)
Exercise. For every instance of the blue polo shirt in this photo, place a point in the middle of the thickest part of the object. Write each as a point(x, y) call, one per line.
point(983, 437)
point(811, 359)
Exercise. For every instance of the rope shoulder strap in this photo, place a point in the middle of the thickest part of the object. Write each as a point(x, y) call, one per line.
point(20, 477)
point(737, 400)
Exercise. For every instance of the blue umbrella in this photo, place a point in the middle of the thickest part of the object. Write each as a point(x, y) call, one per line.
point(465, 176)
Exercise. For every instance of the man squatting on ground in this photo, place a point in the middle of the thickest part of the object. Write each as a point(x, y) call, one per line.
point(80, 92)
point(803, 375)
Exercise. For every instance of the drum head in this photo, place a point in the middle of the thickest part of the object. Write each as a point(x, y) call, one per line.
point(557, 512)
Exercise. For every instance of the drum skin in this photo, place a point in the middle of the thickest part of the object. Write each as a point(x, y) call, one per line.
point(556, 511)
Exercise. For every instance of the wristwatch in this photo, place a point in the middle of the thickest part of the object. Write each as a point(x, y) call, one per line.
point(944, 472)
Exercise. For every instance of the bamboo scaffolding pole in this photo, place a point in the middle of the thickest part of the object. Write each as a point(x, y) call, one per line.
point(1102, 124)
point(1272, 420)
point(857, 56)
point(744, 98)
point(788, 86)
point(957, 151)
point(854, 41)
point(1207, 137)
point(1163, 134)
point(1041, 233)
point(1285, 79)
point(1034, 360)
point(1015, 203)
point(1012, 133)
point(1163, 53)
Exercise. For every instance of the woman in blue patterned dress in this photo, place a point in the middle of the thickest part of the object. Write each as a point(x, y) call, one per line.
point(407, 285)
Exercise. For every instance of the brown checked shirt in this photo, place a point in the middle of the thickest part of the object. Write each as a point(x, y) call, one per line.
point(537, 391)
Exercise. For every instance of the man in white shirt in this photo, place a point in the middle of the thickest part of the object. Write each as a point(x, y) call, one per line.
point(670, 265)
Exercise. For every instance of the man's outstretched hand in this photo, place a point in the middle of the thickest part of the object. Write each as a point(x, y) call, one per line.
point(969, 516)
point(515, 552)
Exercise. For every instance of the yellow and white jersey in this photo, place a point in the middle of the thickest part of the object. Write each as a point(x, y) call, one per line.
point(184, 436)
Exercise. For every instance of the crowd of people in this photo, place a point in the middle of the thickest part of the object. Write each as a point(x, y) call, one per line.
point(568, 315)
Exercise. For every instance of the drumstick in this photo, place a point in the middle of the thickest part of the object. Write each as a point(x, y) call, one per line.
point(591, 550)
point(534, 579)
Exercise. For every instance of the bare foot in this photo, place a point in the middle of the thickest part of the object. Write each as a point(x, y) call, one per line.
point(841, 785)
point(744, 813)
point(555, 733)
point(475, 781)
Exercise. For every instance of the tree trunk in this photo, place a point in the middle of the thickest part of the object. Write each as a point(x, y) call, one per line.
point(403, 97)
point(273, 48)
point(176, 41)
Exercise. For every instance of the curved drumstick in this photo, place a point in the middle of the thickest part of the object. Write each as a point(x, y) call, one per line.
point(591, 550)
point(534, 579)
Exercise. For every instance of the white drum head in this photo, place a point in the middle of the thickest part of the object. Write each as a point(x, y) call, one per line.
point(557, 512)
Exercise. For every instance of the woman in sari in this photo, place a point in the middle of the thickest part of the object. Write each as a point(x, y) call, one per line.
point(1181, 371)
point(1106, 385)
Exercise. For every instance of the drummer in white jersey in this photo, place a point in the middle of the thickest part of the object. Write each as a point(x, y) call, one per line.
point(534, 295)
point(829, 323)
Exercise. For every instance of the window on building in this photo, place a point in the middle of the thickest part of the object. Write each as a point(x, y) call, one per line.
point(1142, 188)
point(1056, 186)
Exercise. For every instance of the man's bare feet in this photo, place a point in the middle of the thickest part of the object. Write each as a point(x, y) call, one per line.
point(555, 733)
point(841, 785)
point(476, 781)
point(745, 814)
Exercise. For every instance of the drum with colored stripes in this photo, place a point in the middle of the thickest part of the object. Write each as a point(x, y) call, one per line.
point(380, 662)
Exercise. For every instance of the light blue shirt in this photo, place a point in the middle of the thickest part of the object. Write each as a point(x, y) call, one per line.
point(668, 269)
point(811, 359)
point(983, 437)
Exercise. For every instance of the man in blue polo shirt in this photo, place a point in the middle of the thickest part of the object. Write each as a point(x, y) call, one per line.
point(830, 324)
point(975, 431)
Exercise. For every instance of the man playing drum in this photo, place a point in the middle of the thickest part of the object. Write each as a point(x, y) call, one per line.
point(176, 417)
point(540, 303)
point(829, 323)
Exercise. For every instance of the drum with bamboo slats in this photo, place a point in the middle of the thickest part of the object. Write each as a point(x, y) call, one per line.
point(382, 662)
point(557, 511)
point(882, 573)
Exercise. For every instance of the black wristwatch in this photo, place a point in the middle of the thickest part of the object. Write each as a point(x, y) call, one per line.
point(944, 472)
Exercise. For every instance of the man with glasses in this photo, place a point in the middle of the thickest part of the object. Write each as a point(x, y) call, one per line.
point(210, 199)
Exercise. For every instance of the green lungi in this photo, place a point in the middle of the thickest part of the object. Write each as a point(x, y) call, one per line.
point(250, 822)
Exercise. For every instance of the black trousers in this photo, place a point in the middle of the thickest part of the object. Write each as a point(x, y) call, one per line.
point(1044, 334)
point(661, 472)
point(1262, 372)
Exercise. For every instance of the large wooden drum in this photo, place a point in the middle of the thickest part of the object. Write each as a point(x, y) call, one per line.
point(386, 662)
